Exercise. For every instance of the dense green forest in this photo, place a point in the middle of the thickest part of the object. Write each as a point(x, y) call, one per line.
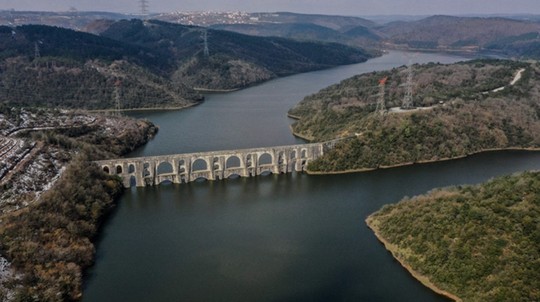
point(460, 114)
point(481, 243)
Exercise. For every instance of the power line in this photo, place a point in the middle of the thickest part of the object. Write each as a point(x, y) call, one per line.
point(408, 98)
point(205, 40)
point(381, 106)
point(117, 96)
point(143, 5)
point(37, 53)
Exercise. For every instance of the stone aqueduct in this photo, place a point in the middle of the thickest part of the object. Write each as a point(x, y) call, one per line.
point(184, 168)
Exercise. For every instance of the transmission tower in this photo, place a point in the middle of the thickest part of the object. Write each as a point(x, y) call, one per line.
point(143, 5)
point(381, 106)
point(117, 96)
point(205, 40)
point(37, 54)
point(408, 98)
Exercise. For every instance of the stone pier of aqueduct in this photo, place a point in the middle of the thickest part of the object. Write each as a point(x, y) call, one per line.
point(184, 168)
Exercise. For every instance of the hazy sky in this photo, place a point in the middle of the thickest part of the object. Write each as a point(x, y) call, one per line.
point(342, 7)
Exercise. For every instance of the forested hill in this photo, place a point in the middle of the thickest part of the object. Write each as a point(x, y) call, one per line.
point(73, 45)
point(233, 60)
point(150, 64)
point(305, 27)
point(461, 109)
point(447, 33)
point(45, 66)
point(480, 243)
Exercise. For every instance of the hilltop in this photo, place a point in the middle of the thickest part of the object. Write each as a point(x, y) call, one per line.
point(462, 108)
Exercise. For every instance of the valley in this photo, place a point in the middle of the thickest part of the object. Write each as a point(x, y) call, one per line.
point(77, 87)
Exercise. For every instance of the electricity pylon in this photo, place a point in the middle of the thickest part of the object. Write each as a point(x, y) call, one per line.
point(381, 106)
point(408, 102)
point(117, 96)
point(143, 5)
point(206, 50)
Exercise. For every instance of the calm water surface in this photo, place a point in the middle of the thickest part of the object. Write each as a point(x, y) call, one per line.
point(274, 238)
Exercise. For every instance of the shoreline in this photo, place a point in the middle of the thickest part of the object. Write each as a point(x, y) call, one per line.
point(294, 117)
point(165, 108)
point(304, 137)
point(392, 248)
point(471, 52)
point(428, 161)
point(296, 134)
point(209, 90)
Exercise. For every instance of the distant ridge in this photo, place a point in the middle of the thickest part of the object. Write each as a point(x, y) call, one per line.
point(475, 34)
point(502, 34)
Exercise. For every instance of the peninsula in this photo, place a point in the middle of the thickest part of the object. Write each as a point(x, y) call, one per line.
point(469, 243)
point(458, 110)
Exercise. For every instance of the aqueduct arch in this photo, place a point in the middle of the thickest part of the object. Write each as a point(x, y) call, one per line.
point(183, 168)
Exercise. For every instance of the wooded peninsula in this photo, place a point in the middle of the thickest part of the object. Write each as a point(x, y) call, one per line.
point(470, 243)
point(460, 109)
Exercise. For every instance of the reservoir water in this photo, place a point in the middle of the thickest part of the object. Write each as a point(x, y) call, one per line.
point(270, 238)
